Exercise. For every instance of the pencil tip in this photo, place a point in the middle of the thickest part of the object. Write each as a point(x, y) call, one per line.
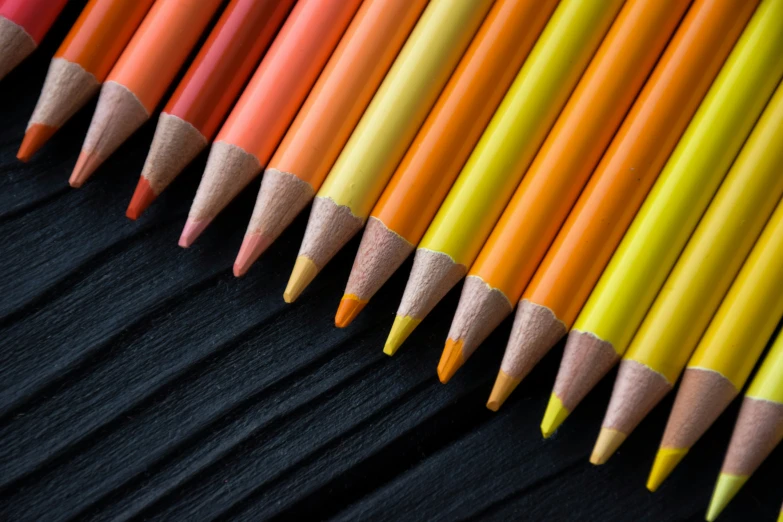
point(725, 490)
point(34, 138)
point(665, 461)
point(504, 385)
point(608, 441)
point(554, 416)
point(253, 245)
point(142, 198)
point(191, 231)
point(451, 360)
point(350, 306)
point(85, 166)
point(403, 326)
point(302, 275)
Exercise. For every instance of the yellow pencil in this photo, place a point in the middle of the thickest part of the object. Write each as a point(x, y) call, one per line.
point(647, 253)
point(694, 289)
point(758, 430)
point(729, 350)
point(383, 134)
point(501, 157)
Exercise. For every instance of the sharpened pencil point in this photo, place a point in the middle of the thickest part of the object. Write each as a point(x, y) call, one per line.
point(142, 198)
point(403, 326)
point(504, 385)
point(193, 228)
point(725, 490)
point(85, 166)
point(301, 276)
point(451, 360)
point(606, 445)
point(665, 462)
point(350, 306)
point(253, 245)
point(554, 416)
point(34, 138)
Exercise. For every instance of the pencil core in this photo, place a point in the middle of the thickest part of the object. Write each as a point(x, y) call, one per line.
point(253, 245)
point(302, 275)
point(606, 445)
point(403, 326)
point(665, 461)
point(142, 198)
point(725, 490)
point(554, 416)
point(85, 166)
point(451, 360)
point(504, 385)
point(349, 308)
point(36, 135)
point(192, 230)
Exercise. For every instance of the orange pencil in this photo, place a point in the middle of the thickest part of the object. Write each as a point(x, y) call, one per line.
point(207, 92)
point(80, 65)
point(23, 24)
point(442, 146)
point(615, 192)
point(326, 120)
point(141, 76)
point(267, 106)
point(558, 173)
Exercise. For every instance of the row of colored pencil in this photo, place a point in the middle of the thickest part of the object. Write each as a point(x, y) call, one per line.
point(611, 168)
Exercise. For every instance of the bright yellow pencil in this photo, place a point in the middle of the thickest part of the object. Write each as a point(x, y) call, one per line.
point(699, 281)
point(383, 134)
point(647, 253)
point(501, 157)
point(758, 430)
point(729, 350)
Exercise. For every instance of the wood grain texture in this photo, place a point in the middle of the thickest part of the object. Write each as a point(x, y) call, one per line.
point(140, 381)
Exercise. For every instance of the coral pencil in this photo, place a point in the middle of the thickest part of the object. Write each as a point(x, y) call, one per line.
point(384, 133)
point(23, 24)
point(501, 157)
point(326, 120)
point(442, 146)
point(140, 78)
point(729, 350)
point(615, 192)
point(80, 65)
point(758, 430)
point(554, 180)
point(637, 270)
point(694, 289)
point(267, 106)
point(206, 93)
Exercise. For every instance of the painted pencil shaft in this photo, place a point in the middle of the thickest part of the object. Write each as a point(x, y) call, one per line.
point(442, 145)
point(615, 192)
point(694, 289)
point(80, 66)
point(23, 24)
point(501, 157)
point(559, 171)
point(267, 106)
point(207, 92)
point(325, 122)
point(729, 350)
point(758, 431)
point(384, 133)
point(139, 79)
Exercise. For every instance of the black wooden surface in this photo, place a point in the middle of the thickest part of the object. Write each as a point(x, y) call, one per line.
point(142, 381)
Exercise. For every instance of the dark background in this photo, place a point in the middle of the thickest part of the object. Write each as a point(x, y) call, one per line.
point(142, 381)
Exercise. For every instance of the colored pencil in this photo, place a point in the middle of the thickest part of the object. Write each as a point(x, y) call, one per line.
point(617, 305)
point(615, 192)
point(501, 158)
point(80, 66)
point(267, 106)
point(207, 92)
point(325, 122)
point(554, 180)
point(429, 168)
point(23, 24)
point(140, 77)
point(758, 430)
point(384, 133)
point(729, 350)
point(694, 289)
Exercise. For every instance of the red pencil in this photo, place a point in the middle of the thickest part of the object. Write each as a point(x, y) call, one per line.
point(23, 24)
